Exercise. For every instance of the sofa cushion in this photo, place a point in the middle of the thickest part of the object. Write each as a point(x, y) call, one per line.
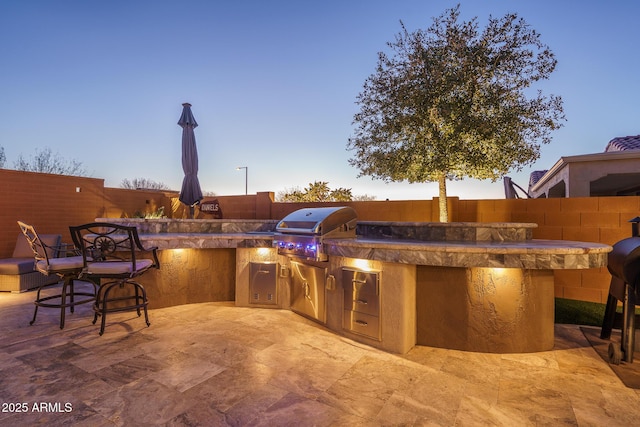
point(16, 265)
point(23, 250)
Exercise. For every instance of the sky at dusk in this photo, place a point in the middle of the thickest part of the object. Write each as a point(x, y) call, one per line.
point(272, 85)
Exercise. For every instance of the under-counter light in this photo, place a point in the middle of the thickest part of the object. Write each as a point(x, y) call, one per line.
point(363, 264)
point(498, 276)
point(263, 255)
point(499, 272)
point(263, 251)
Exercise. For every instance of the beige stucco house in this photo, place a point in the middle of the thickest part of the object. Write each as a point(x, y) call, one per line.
point(615, 172)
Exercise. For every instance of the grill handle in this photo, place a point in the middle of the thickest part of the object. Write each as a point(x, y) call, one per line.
point(305, 231)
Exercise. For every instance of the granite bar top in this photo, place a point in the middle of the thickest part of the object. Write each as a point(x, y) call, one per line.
point(188, 226)
point(207, 240)
point(447, 231)
point(530, 254)
point(456, 244)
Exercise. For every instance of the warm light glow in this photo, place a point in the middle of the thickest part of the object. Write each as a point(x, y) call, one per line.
point(264, 251)
point(499, 272)
point(363, 264)
point(262, 254)
point(498, 276)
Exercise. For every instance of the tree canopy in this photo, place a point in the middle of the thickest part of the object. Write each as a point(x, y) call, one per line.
point(46, 161)
point(143, 183)
point(452, 101)
point(318, 191)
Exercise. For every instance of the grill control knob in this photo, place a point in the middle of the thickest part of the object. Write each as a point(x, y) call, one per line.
point(291, 246)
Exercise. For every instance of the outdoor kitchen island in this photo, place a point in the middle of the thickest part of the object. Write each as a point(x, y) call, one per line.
point(485, 287)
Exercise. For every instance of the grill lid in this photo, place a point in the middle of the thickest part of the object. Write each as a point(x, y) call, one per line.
point(624, 260)
point(319, 221)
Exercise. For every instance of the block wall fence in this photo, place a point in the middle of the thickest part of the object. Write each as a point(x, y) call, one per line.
point(53, 202)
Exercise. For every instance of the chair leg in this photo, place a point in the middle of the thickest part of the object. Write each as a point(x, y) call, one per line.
point(35, 312)
point(103, 309)
point(67, 298)
point(101, 306)
point(144, 301)
point(97, 304)
point(63, 301)
point(71, 296)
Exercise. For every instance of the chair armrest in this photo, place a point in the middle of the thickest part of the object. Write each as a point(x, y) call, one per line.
point(156, 261)
point(153, 249)
point(154, 253)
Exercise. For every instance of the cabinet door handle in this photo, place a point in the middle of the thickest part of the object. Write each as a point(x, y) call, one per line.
point(362, 301)
point(361, 323)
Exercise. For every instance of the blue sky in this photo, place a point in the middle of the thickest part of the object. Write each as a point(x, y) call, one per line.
point(272, 83)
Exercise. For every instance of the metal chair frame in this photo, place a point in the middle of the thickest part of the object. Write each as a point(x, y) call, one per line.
point(67, 268)
point(110, 255)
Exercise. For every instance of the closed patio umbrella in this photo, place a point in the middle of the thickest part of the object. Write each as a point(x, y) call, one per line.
point(191, 193)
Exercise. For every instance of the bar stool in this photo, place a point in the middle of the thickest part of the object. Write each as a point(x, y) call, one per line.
point(112, 255)
point(48, 261)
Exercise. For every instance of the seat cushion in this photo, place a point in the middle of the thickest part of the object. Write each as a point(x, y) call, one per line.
point(117, 267)
point(61, 265)
point(16, 265)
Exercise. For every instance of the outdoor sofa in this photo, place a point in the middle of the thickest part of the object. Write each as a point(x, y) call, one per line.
point(17, 274)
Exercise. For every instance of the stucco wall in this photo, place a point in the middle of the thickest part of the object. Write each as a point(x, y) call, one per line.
point(53, 202)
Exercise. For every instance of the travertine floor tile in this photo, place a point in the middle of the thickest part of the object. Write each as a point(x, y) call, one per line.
point(217, 364)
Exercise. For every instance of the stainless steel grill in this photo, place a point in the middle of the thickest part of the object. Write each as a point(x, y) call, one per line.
point(301, 234)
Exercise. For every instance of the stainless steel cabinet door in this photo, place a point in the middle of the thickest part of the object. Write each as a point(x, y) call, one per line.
point(308, 290)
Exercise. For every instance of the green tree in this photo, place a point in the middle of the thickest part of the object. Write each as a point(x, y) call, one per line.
point(318, 191)
point(341, 195)
point(3, 157)
point(453, 102)
point(46, 161)
point(143, 183)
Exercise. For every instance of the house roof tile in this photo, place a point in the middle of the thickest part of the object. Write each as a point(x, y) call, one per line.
point(623, 143)
point(535, 177)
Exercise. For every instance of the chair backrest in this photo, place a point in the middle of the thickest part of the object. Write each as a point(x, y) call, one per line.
point(102, 242)
point(42, 247)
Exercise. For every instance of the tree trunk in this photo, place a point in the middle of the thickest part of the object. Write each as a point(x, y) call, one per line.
point(442, 201)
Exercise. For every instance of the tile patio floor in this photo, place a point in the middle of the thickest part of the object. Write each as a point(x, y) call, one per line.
point(216, 364)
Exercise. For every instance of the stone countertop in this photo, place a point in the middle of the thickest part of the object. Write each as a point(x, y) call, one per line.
point(529, 254)
point(190, 226)
point(207, 240)
point(447, 231)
